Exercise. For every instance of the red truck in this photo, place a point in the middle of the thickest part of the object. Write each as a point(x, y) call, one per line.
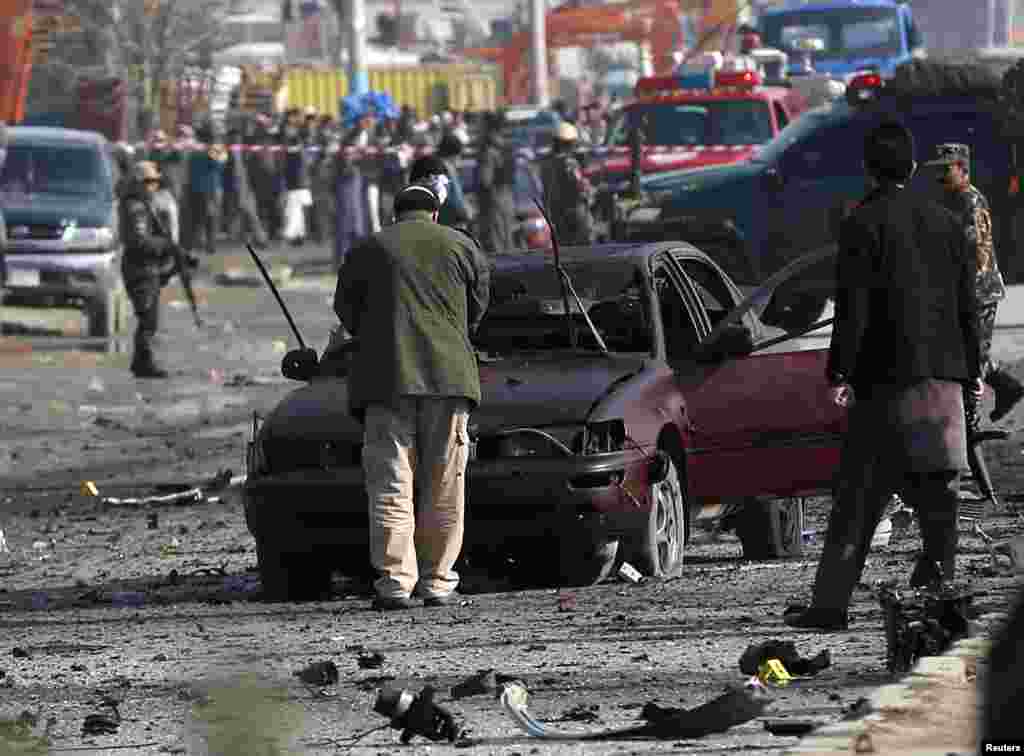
point(688, 125)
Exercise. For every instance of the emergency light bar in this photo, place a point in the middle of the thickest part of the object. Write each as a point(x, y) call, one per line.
point(738, 79)
point(864, 88)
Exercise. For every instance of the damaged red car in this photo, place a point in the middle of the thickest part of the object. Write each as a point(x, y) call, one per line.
point(622, 401)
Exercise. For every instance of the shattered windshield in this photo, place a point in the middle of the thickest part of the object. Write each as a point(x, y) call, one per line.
point(527, 312)
point(727, 122)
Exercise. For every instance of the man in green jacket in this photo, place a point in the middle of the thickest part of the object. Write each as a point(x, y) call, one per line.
point(412, 294)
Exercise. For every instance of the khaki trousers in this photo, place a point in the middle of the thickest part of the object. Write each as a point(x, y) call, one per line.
point(414, 462)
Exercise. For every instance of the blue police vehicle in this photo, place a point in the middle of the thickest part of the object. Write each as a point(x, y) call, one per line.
point(755, 217)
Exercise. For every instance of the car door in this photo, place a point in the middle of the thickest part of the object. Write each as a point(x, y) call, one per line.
point(760, 424)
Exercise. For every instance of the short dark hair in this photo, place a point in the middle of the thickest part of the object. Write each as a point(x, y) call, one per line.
point(427, 165)
point(889, 151)
point(416, 197)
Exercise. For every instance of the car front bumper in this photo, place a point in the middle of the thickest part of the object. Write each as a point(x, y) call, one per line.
point(37, 275)
point(507, 499)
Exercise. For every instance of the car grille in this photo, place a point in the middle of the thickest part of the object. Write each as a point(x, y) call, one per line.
point(286, 455)
point(51, 233)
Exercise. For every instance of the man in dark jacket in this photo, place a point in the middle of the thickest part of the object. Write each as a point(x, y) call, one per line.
point(206, 190)
point(567, 193)
point(147, 264)
point(904, 343)
point(496, 189)
point(411, 295)
point(453, 206)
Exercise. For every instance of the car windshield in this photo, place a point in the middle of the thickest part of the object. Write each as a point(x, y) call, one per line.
point(527, 312)
point(726, 122)
point(39, 169)
point(845, 32)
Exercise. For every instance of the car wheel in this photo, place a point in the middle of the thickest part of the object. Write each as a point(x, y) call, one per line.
point(108, 314)
point(771, 528)
point(661, 541)
point(292, 577)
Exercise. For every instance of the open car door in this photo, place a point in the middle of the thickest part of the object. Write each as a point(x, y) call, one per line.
point(761, 422)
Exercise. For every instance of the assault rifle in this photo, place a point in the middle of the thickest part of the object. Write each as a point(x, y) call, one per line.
point(183, 265)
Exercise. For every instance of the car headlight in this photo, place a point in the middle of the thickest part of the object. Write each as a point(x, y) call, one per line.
point(88, 236)
point(644, 215)
point(605, 436)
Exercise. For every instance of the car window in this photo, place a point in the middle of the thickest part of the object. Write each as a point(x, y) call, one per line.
point(38, 169)
point(713, 292)
point(527, 310)
point(681, 337)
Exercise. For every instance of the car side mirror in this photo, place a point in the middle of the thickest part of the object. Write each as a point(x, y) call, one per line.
point(300, 364)
point(735, 340)
point(773, 180)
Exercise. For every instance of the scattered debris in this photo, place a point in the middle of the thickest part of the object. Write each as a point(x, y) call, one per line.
point(580, 713)
point(3, 544)
point(103, 724)
point(159, 658)
point(735, 707)
point(774, 672)
point(319, 673)
point(1004, 554)
point(922, 623)
point(883, 534)
point(485, 681)
point(791, 727)
point(152, 521)
point(784, 651)
point(417, 714)
point(629, 573)
point(88, 488)
point(567, 602)
point(19, 653)
point(374, 660)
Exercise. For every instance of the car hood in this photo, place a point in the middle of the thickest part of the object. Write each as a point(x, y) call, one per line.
point(86, 211)
point(530, 390)
point(660, 162)
point(702, 188)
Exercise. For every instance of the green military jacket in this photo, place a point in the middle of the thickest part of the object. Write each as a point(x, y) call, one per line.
point(412, 295)
point(971, 208)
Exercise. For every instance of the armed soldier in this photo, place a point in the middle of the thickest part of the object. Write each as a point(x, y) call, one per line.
point(148, 263)
point(971, 207)
point(567, 193)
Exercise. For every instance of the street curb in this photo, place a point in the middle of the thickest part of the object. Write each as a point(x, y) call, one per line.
point(898, 701)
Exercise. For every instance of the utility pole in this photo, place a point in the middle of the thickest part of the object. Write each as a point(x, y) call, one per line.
point(358, 79)
point(538, 52)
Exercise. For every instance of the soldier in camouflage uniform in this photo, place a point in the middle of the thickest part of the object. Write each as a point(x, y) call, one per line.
point(972, 209)
point(970, 205)
point(567, 193)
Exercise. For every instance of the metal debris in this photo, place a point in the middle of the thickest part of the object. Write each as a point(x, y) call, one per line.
point(922, 623)
point(319, 673)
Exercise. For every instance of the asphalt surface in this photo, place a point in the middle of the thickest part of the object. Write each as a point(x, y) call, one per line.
point(158, 605)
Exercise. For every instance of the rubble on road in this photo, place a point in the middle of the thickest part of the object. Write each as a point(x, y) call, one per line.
point(319, 673)
point(757, 654)
point(181, 494)
point(922, 623)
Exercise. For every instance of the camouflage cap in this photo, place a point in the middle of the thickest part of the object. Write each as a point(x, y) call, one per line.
point(947, 154)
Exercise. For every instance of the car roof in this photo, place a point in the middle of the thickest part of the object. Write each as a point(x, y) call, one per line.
point(52, 135)
point(755, 94)
point(798, 5)
point(635, 253)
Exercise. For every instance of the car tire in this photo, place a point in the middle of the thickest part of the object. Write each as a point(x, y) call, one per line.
point(288, 576)
point(108, 314)
point(660, 543)
point(771, 528)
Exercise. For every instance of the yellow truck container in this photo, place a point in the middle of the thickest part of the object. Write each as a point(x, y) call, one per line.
point(428, 88)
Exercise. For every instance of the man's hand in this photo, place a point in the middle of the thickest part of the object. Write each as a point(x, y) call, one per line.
point(841, 395)
point(978, 388)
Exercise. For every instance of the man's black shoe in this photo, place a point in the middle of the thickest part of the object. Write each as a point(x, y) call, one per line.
point(435, 601)
point(392, 603)
point(149, 371)
point(813, 618)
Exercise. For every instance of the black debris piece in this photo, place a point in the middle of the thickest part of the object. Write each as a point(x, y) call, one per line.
point(485, 681)
point(319, 673)
point(580, 713)
point(371, 661)
point(19, 653)
point(735, 707)
point(101, 724)
point(922, 623)
point(790, 727)
point(785, 651)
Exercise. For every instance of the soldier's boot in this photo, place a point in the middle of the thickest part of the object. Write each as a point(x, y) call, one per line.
point(1009, 391)
point(144, 365)
point(937, 563)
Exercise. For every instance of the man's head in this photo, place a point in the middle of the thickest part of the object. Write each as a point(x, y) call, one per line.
point(427, 165)
point(416, 198)
point(565, 137)
point(889, 153)
point(450, 146)
point(954, 164)
point(148, 175)
point(293, 117)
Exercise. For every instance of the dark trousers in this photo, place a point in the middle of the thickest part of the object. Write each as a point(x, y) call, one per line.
point(986, 326)
point(242, 221)
point(203, 215)
point(144, 293)
point(867, 478)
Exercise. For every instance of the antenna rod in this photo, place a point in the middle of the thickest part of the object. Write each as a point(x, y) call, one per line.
point(277, 296)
